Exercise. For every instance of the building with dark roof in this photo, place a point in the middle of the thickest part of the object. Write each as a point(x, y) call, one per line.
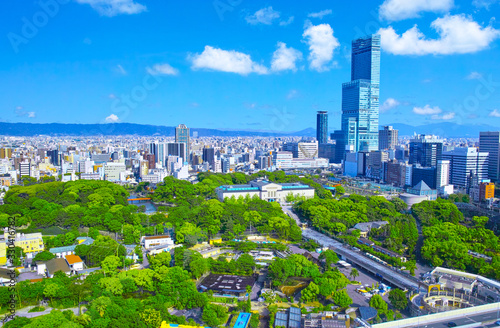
point(292, 318)
point(224, 284)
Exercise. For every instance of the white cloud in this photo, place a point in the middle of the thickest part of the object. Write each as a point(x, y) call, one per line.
point(112, 8)
point(288, 21)
point(264, 16)
point(389, 104)
point(458, 34)
point(31, 114)
point(112, 119)
point(445, 117)
point(225, 61)
point(395, 10)
point(284, 58)
point(427, 110)
point(321, 43)
point(162, 69)
point(21, 112)
point(474, 76)
point(484, 3)
point(320, 14)
point(495, 113)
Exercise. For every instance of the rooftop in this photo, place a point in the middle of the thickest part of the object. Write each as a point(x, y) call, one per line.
point(227, 283)
point(72, 259)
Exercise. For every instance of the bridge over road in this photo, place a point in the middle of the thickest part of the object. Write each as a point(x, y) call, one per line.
point(389, 274)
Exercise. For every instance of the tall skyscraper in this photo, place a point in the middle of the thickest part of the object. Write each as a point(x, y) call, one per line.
point(425, 150)
point(387, 138)
point(490, 142)
point(177, 149)
point(322, 127)
point(182, 135)
point(360, 96)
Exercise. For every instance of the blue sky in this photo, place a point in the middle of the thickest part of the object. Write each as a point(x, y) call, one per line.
point(240, 64)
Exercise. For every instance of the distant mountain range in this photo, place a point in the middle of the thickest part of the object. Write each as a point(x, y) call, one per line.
point(445, 129)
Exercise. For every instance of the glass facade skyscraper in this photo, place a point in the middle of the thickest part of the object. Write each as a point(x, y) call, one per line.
point(322, 127)
point(360, 96)
point(182, 135)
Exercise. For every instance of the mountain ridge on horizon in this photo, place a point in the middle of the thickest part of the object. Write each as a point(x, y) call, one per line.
point(444, 129)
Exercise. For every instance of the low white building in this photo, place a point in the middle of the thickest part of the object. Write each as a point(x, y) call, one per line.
point(153, 241)
point(265, 190)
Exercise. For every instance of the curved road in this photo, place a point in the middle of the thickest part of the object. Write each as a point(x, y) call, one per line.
point(388, 274)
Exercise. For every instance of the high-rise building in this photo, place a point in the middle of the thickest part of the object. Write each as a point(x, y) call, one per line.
point(465, 163)
point(425, 150)
point(322, 127)
point(25, 168)
point(426, 174)
point(5, 152)
point(182, 135)
point(387, 138)
point(159, 151)
point(209, 155)
point(443, 173)
point(490, 142)
point(360, 96)
point(177, 149)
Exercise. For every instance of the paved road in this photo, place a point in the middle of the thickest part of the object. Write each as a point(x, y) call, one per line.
point(390, 275)
point(466, 320)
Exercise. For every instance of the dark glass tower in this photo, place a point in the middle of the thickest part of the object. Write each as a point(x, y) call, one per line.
point(322, 127)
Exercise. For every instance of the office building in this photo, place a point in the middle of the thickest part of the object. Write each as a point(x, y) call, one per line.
point(465, 163)
point(177, 149)
point(112, 171)
point(54, 157)
point(302, 149)
point(425, 150)
point(182, 135)
point(151, 159)
point(489, 142)
point(5, 153)
point(25, 168)
point(395, 173)
point(426, 174)
point(387, 138)
point(322, 127)
point(328, 151)
point(209, 155)
point(375, 161)
point(442, 173)
point(360, 96)
point(338, 137)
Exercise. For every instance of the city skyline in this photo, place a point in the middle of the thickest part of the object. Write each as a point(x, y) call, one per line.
point(276, 84)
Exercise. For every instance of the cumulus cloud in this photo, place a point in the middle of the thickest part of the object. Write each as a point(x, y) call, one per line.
point(495, 113)
point(320, 14)
point(474, 76)
point(321, 43)
point(427, 110)
point(112, 119)
point(458, 34)
point(389, 104)
point(285, 58)
point(395, 10)
point(162, 69)
point(112, 8)
point(445, 117)
point(225, 61)
point(264, 16)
